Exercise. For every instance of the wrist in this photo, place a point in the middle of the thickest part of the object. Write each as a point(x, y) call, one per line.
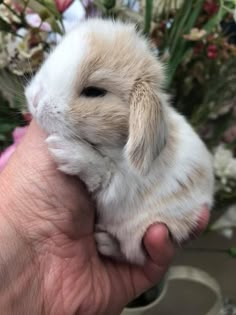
point(19, 271)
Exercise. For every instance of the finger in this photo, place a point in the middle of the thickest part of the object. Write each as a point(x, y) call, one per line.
point(158, 245)
point(160, 250)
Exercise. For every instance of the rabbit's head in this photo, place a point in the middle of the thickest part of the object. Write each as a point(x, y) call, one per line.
point(103, 85)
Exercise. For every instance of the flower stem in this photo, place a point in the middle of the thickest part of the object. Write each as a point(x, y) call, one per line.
point(11, 10)
point(25, 6)
point(227, 9)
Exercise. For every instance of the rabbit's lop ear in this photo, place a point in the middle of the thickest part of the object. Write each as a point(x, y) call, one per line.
point(147, 127)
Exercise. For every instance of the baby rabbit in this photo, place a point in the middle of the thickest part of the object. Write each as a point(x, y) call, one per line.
point(99, 97)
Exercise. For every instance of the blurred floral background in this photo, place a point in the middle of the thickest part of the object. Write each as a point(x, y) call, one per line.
point(196, 39)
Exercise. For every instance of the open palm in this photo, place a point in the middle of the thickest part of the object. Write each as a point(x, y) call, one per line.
point(56, 217)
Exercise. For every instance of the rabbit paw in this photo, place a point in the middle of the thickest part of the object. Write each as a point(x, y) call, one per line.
point(64, 153)
point(76, 158)
point(107, 245)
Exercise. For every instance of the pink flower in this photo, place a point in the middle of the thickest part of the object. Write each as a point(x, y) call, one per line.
point(210, 7)
point(27, 117)
point(62, 5)
point(212, 52)
point(230, 134)
point(18, 134)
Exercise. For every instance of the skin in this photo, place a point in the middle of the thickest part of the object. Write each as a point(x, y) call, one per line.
point(48, 258)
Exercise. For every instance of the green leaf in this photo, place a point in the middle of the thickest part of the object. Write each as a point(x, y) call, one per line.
point(12, 89)
point(148, 16)
point(54, 25)
point(109, 4)
point(232, 251)
point(5, 127)
point(2, 137)
point(39, 6)
point(50, 5)
point(9, 119)
point(179, 22)
point(100, 6)
point(184, 21)
point(197, 7)
point(215, 20)
point(4, 26)
point(44, 14)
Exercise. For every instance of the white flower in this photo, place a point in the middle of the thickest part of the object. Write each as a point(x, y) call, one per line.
point(226, 223)
point(70, 18)
point(17, 54)
point(224, 164)
point(34, 20)
point(73, 15)
point(227, 233)
point(231, 169)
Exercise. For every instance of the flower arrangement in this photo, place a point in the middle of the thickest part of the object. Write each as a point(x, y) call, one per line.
point(195, 38)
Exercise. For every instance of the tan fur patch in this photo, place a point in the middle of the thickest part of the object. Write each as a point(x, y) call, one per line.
point(113, 63)
point(103, 121)
point(147, 127)
point(193, 181)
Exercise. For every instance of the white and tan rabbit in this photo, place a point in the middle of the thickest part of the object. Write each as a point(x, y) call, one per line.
point(99, 97)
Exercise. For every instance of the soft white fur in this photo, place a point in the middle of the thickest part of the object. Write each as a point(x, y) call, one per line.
point(124, 213)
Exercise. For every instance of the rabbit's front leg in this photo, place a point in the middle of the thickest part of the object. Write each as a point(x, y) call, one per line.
point(107, 245)
point(77, 158)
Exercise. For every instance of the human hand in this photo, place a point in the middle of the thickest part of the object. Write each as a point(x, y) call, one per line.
point(49, 257)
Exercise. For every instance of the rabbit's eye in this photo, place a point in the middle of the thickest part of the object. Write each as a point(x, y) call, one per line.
point(93, 91)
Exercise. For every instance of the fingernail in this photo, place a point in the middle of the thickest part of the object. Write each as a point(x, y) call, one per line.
point(167, 232)
point(168, 236)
